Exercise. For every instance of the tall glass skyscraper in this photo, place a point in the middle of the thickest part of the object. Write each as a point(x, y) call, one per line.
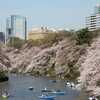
point(16, 26)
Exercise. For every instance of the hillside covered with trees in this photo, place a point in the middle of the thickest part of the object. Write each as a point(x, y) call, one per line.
point(67, 55)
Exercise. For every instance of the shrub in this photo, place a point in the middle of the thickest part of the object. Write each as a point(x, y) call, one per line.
point(16, 42)
point(3, 77)
point(73, 72)
point(83, 36)
point(51, 71)
point(98, 83)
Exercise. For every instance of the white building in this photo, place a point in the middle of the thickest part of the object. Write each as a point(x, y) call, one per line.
point(40, 29)
point(93, 21)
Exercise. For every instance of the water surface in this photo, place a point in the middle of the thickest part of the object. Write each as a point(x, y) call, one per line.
point(18, 85)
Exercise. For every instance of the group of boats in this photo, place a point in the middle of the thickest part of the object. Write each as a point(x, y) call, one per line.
point(50, 91)
point(70, 84)
point(49, 94)
point(52, 94)
point(57, 92)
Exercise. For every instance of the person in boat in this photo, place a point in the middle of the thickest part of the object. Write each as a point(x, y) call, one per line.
point(31, 88)
point(45, 88)
point(42, 95)
point(58, 90)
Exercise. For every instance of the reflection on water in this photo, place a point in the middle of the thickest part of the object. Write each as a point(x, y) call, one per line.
point(18, 85)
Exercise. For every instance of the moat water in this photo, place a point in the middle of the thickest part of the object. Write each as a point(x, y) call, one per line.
point(17, 86)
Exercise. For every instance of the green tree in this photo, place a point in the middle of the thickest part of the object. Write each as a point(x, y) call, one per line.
point(83, 36)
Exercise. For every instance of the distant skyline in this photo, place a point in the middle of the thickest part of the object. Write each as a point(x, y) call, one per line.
point(68, 14)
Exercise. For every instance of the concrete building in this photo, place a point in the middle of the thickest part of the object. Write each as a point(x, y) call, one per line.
point(2, 37)
point(16, 26)
point(37, 33)
point(93, 21)
point(40, 29)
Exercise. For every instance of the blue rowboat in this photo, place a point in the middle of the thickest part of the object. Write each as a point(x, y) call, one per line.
point(47, 97)
point(46, 90)
point(58, 92)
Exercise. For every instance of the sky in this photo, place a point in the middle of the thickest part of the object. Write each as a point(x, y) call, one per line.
point(65, 14)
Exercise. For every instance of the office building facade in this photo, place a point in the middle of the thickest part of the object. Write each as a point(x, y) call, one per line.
point(16, 26)
point(2, 37)
point(93, 21)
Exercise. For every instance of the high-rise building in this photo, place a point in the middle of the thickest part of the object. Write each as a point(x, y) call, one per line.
point(2, 37)
point(97, 9)
point(16, 26)
point(93, 21)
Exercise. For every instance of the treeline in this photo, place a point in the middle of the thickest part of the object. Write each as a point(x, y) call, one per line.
point(82, 36)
